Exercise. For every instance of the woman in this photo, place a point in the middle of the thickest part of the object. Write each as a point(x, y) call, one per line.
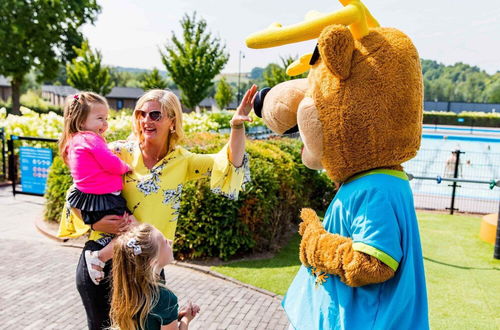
point(153, 188)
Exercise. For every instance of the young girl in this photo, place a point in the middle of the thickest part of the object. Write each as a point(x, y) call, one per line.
point(96, 171)
point(140, 299)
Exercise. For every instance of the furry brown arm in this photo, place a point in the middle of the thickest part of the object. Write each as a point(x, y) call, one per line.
point(333, 254)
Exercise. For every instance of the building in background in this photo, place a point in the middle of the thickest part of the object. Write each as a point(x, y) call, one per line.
point(118, 98)
point(5, 89)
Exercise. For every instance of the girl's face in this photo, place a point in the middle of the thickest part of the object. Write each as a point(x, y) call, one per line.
point(153, 123)
point(97, 119)
point(165, 252)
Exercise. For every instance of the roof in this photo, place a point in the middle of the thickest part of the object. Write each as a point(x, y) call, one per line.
point(116, 92)
point(59, 90)
point(126, 93)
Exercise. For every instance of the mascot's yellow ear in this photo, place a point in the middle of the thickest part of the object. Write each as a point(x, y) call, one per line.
point(336, 46)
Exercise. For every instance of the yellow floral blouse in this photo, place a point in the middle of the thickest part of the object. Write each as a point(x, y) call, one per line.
point(153, 195)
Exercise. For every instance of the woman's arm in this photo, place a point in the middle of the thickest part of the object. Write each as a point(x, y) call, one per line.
point(113, 224)
point(237, 138)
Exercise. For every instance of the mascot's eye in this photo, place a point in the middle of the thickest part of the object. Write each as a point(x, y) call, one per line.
point(315, 55)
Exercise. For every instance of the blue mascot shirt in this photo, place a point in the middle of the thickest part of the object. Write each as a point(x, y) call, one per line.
point(376, 211)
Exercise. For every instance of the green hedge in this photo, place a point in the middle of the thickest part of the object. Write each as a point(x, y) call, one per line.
point(58, 182)
point(469, 118)
point(214, 226)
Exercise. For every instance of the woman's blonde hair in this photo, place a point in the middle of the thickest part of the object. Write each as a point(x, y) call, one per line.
point(135, 282)
point(169, 106)
point(76, 110)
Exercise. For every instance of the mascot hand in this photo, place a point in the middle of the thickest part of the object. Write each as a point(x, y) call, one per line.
point(310, 229)
point(334, 254)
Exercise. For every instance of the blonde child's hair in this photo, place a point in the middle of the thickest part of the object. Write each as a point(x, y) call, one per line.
point(135, 283)
point(76, 110)
point(169, 106)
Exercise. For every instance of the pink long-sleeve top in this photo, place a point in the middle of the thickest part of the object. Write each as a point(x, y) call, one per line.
point(94, 168)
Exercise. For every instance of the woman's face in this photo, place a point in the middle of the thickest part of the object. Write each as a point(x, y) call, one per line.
point(153, 129)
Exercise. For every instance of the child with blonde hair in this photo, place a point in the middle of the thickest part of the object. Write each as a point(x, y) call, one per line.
point(140, 299)
point(96, 171)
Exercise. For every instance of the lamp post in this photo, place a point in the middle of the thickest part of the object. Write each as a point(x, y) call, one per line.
point(239, 74)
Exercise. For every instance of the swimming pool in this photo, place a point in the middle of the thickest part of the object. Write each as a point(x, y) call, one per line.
point(479, 160)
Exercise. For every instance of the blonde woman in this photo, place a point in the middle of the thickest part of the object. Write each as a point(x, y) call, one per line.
point(140, 299)
point(153, 188)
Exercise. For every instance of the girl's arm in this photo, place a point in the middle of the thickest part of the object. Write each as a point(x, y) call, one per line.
point(183, 324)
point(237, 138)
point(110, 162)
point(188, 313)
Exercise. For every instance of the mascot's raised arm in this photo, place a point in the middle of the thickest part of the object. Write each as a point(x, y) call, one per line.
point(359, 114)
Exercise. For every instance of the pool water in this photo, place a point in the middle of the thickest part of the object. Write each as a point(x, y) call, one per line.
point(480, 160)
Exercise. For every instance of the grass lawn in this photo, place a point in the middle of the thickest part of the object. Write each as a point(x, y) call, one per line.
point(463, 279)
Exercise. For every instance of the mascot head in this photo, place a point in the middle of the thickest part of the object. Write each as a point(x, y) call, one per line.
point(360, 107)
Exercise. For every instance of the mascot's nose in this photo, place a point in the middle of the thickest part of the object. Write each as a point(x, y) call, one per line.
point(259, 101)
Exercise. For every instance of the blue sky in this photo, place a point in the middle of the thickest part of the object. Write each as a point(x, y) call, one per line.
point(129, 32)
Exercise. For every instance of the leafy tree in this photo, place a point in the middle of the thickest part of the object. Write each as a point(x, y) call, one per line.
point(274, 74)
point(40, 34)
point(195, 60)
point(256, 73)
point(125, 78)
point(459, 82)
point(86, 72)
point(153, 80)
point(493, 90)
point(224, 94)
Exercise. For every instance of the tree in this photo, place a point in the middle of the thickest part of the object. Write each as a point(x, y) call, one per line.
point(493, 90)
point(86, 72)
point(195, 60)
point(153, 80)
point(40, 34)
point(256, 73)
point(224, 94)
point(125, 78)
point(274, 74)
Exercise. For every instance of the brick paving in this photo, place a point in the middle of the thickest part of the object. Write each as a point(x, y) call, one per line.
point(37, 282)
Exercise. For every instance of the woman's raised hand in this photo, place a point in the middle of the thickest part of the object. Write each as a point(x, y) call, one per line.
point(242, 113)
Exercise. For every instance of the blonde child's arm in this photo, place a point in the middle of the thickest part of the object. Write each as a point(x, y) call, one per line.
point(106, 252)
point(188, 313)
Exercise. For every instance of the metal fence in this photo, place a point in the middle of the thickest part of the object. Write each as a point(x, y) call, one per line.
point(456, 180)
point(3, 155)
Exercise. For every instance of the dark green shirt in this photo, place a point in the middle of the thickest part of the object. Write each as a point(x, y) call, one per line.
point(164, 312)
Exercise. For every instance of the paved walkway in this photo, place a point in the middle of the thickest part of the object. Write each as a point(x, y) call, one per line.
point(37, 282)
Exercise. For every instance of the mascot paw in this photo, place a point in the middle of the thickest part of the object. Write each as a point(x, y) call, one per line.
point(310, 229)
point(309, 218)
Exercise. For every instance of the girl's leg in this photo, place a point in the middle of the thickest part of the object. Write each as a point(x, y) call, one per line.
point(95, 261)
point(95, 298)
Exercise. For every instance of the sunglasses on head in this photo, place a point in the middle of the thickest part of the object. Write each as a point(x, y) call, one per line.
point(155, 115)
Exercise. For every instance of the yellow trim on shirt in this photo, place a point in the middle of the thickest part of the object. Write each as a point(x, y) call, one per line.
point(374, 252)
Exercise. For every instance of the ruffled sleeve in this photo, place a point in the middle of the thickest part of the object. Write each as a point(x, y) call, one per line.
point(225, 178)
point(71, 224)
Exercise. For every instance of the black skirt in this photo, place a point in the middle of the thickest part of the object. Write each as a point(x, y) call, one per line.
point(94, 207)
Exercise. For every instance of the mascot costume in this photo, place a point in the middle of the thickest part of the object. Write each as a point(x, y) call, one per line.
point(359, 114)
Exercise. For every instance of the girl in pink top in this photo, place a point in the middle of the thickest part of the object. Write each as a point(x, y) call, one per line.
point(96, 171)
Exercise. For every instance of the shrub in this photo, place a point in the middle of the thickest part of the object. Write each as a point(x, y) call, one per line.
point(58, 182)
point(486, 119)
point(214, 226)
